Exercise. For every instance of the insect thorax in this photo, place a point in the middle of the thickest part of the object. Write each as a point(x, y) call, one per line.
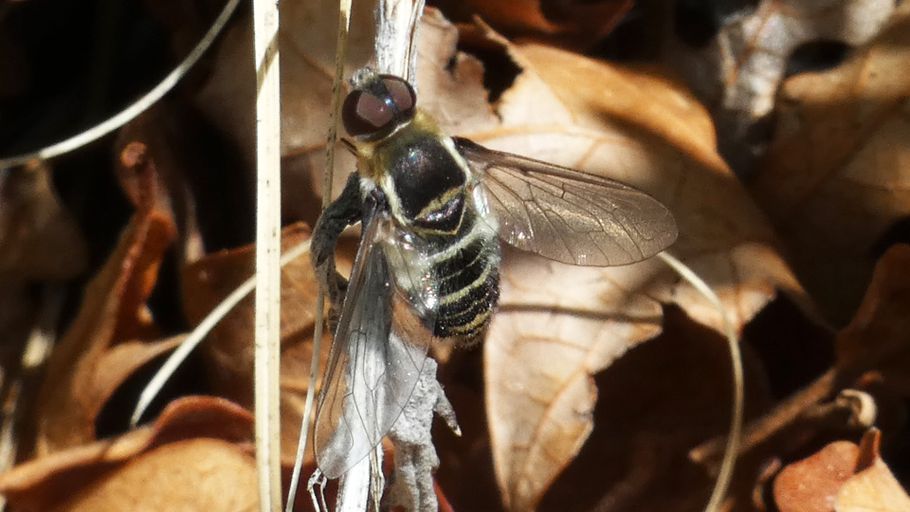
point(426, 183)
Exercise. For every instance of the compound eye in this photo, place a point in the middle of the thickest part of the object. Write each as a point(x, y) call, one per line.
point(364, 114)
point(402, 94)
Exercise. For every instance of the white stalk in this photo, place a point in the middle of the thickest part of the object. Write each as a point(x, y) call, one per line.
point(268, 249)
point(722, 484)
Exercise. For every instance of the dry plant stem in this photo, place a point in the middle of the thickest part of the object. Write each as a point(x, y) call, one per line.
point(268, 250)
point(132, 111)
point(396, 32)
point(731, 449)
point(396, 25)
point(341, 44)
point(199, 333)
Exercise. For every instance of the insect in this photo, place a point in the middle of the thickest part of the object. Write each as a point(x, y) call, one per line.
point(433, 208)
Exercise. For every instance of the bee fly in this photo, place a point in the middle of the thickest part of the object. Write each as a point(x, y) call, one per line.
point(432, 208)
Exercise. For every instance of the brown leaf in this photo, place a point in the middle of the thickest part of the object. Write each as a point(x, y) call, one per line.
point(739, 71)
point(811, 484)
point(512, 15)
point(878, 337)
point(563, 23)
point(113, 310)
point(653, 405)
point(39, 240)
point(559, 325)
point(229, 351)
point(198, 180)
point(862, 388)
point(842, 477)
point(836, 177)
point(48, 481)
point(196, 474)
point(873, 487)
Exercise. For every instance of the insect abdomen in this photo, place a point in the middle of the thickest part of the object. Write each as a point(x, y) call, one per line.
point(468, 275)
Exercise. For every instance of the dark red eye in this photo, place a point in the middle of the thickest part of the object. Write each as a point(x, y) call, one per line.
point(377, 106)
point(364, 114)
point(402, 94)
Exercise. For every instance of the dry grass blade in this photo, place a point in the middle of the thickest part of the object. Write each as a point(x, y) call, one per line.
point(268, 249)
point(725, 475)
point(199, 333)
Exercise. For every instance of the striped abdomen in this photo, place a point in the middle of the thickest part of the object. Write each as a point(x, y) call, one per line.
point(426, 183)
point(467, 270)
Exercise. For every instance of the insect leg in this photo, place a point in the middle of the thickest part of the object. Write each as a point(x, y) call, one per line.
point(343, 212)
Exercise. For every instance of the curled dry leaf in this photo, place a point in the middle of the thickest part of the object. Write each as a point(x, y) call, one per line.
point(229, 351)
point(85, 473)
point(153, 128)
point(559, 325)
point(837, 176)
point(113, 310)
point(841, 477)
point(201, 176)
point(739, 71)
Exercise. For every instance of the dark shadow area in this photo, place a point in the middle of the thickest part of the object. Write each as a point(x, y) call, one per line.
point(795, 347)
point(114, 417)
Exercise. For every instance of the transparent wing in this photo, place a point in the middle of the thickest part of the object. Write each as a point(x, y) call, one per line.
point(370, 377)
point(567, 215)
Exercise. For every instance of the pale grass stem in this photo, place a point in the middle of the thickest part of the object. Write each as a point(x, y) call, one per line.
point(267, 340)
point(725, 474)
point(195, 337)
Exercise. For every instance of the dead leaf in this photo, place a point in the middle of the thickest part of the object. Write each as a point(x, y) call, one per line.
point(199, 178)
point(515, 15)
point(873, 487)
point(558, 325)
point(836, 177)
point(196, 474)
point(39, 239)
point(811, 484)
point(113, 310)
point(588, 21)
point(864, 385)
point(653, 404)
point(878, 337)
point(229, 351)
point(49, 481)
point(842, 477)
point(739, 71)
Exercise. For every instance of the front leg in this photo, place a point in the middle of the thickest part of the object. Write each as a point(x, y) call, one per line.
point(343, 212)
